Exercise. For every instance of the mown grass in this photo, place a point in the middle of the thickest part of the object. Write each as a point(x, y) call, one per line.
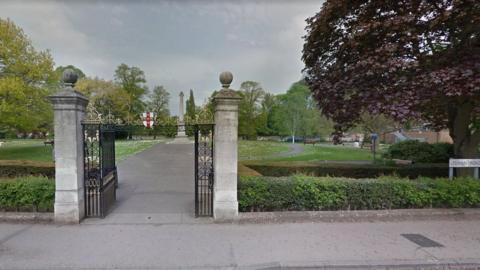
point(253, 150)
point(263, 150)
point(35, 150)
point(319, 153)
point(124, 149)
point(26, 150)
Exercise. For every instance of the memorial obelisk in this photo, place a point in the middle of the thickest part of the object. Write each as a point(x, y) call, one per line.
point(181, 137)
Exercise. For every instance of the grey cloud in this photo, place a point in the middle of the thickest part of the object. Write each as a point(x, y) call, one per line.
point(179, 44)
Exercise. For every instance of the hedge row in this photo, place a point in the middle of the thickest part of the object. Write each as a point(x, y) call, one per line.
point(259, 193)
point(420, 152)
point(27, 194)
point(17, 168)
point(347, 170)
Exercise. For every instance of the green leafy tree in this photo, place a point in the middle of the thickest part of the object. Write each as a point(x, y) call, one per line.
point(158, 103)
point(107, 97)
point(249, 108)
point(26, 79)
point(297, 114)
point(265, 120)
point(132, 80)
point(191, 109)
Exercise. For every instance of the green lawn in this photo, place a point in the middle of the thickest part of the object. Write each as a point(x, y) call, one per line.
point(36, 150)
point(247, 150)
point(25, 150)
point(319, 152)
point(254, 150)
point(262, 150)
point(124, 149)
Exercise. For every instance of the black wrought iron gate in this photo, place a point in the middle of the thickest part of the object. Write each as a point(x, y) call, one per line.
point(204, 147)
point(100, 176)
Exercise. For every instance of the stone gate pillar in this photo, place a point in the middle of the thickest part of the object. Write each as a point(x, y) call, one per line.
point(69, 109)
point(225, 203)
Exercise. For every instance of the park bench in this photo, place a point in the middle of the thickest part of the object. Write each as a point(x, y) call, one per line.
point(310, 141)
point(49, 142)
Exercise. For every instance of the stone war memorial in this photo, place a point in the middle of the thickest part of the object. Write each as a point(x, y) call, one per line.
point(181, 137)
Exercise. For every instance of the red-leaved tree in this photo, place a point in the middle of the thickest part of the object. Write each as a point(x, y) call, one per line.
point(403, 58)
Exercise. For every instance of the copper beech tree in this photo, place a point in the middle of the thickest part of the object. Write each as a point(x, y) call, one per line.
point(404, 59)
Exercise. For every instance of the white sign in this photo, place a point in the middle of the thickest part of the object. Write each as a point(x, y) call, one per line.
point(464, 163)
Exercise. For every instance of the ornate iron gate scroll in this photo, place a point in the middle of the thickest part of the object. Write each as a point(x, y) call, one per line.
point(204, 146)
point(100, 177)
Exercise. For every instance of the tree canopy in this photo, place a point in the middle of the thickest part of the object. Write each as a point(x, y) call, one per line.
point(26, 79)
point(191, 107)
point(158, 103)
point(404, 59)
point(106, 97)
point(252, 94)
point(132, 80)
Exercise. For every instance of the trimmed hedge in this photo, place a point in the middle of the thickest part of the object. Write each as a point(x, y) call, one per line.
point(16, 168)
point(420, 152)
point(302, 193)
point(27, 194)
point(347, 170)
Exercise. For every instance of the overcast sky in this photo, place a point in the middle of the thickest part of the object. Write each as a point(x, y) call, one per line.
point(181, 45)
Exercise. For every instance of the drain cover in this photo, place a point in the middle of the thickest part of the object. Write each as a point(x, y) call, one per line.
point(421, 240)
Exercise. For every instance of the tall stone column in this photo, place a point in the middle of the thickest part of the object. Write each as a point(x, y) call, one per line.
point(180, 108)
point(181, 125)
point(69, 110)
point(225, 203)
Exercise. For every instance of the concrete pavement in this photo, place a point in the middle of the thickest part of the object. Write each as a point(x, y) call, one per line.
point(231, 246)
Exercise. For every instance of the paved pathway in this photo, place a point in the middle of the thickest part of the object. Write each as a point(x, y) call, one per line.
point(231, 246)
point(156, 185)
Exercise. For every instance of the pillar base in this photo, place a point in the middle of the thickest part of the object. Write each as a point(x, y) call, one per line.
point(226, 210)
point(69, 213)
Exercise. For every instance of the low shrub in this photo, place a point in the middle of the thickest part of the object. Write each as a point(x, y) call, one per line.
point(280, 168)
point(27, 194)
point(420, 152)
point(16, 168)
point(259, 193)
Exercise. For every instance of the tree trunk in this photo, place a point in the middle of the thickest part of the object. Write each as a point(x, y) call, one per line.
point(465, 142)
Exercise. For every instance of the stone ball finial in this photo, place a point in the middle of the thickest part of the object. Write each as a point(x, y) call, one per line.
point(69, 77)
point(226, 79)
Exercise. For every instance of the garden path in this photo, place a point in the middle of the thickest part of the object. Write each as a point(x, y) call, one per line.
point(294, 149)
point(156, 185)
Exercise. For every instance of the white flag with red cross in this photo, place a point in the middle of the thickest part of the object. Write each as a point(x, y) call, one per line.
point(148, 119)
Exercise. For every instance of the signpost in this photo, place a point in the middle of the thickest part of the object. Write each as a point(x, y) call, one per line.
point(374, 137)
point(463, 163)
point(148, 119)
